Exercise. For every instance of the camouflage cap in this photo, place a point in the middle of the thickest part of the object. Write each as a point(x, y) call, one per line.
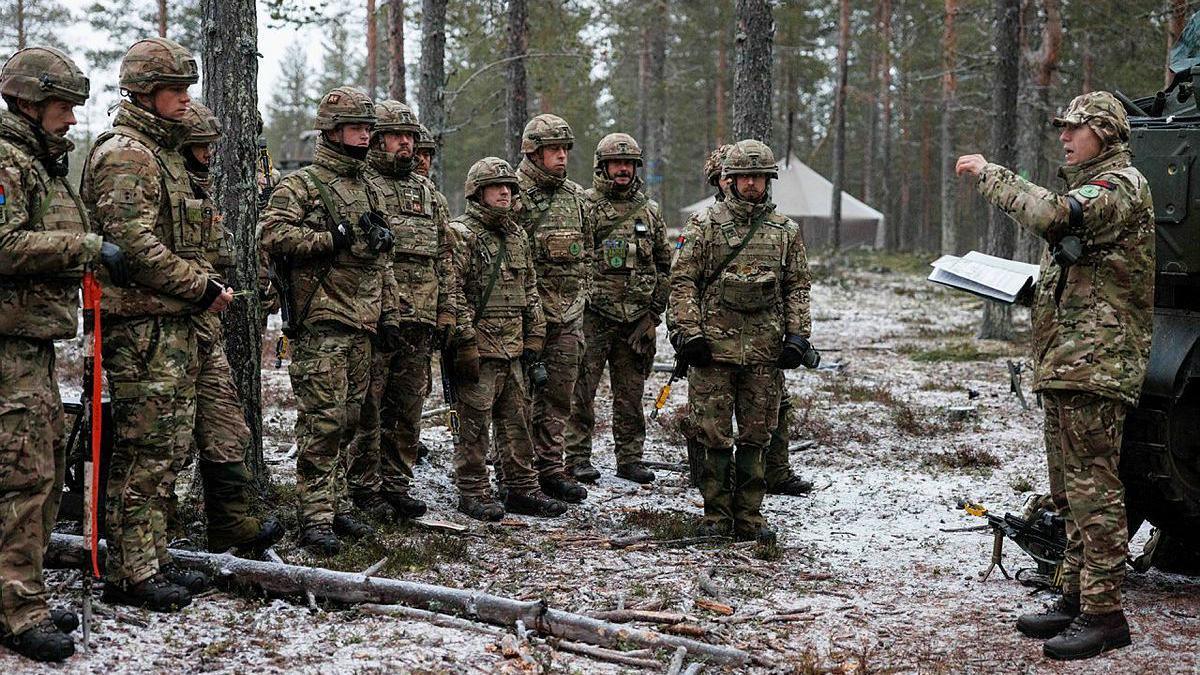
point(38, 73)
point(395, 116)
point(1099, 110)
point(202, 125)
point(425, 139)
point(750, 157)
point(543, 130)
point(344, 105)
point(715, 164)
point(155, 62)
point(617, 146)
point(489, 171)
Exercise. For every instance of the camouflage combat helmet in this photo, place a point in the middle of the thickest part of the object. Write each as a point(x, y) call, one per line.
point(155, 62)
point(749, 157)
point(1099, 110)
point(202, 125)
point(344, 105)
point(395, 116)
point(617, 146)
point(543, 130)
point(489, 171)
point(38, 73)
point(425, 139)
point(715, 163)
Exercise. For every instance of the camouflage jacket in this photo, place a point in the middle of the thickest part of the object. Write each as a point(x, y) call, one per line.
point(1091, 329)
point(632, 259)
point(745, 309)
point(353, 287)
point(138, 194)
point(512, 319)
point(44, 238)
point(553, 213)
point(423, 261)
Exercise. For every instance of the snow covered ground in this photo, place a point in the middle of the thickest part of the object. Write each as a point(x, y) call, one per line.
point(919, 415)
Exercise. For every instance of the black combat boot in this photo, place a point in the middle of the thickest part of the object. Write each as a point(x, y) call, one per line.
point(534, 504)
point(481, 509)
point(1052, 620)
point(1089, 635)
point(373, 506)
point(351, 528)
point(712, 527)
point(43, 642)
point(195, 582)
point(585, 472)
point(64, 619)
point(405, 507)
point(636, 472)
point(157, 594)
point(319, 540)
point(563, 488)
point(269, 534)
point(759, 533)
point(792, 486)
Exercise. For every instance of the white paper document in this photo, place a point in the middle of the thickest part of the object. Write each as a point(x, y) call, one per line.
point(998, 279)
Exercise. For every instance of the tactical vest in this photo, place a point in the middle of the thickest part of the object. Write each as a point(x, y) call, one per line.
point(554, 223)
point(625, 279)
point(217, 242)
point(410, 207)
point(507, 299)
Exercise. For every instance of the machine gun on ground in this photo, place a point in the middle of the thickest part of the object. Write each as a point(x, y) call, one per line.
point(1040, 532)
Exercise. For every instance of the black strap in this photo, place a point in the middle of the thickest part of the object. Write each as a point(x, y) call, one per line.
point(491, 284)
point(327, 204)
point(1075, 215)
point(754, 225)
point(600, 235)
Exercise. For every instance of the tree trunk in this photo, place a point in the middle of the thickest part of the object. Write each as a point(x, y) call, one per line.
point(230, 72)
point(887, 235)
point(431, 95)
point(656, 136)
point(752, 70)
point(162, 18)
point(516, 84)
point(996, 322)
point(839, 124)
point(722, 74)
point(949, 108)
point(20, 24)
point(397, 87)
point(1042, 64)
point(642, 122)
point(372, 50)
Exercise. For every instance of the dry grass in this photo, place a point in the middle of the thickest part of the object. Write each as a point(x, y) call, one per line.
point(964, 457)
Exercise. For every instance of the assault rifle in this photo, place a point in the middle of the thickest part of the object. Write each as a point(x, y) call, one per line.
point(450, 392)
point(1041, 533)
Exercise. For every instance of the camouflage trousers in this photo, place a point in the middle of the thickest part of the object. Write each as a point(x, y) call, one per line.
point(550, 406)
point(152, 364)
point(778, 464)
point(732, 483)
point(496, 402)
point(1083, 442)
point(607, 342)
point(32, 462)
point(385, 447)
point(330, 370)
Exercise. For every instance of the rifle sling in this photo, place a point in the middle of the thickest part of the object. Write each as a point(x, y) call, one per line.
point(754, 225)
point(600, 235)
point(495, 275)
point(327, 205)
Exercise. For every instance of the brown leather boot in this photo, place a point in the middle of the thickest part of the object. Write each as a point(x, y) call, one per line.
point(1089, 635)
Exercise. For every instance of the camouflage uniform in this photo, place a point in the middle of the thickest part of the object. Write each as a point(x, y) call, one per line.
point(44, 244)
point(553, 212)
point(509, 323)
point(137, 191)
point(1092, 323)
point(385, 449)
point(340, 295)
point(629, 294)
point(743, 313)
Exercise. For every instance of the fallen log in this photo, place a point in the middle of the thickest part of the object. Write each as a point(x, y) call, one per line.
point(630, 615)
point(66, 551)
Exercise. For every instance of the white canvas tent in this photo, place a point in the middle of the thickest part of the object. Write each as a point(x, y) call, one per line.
point(805, 196)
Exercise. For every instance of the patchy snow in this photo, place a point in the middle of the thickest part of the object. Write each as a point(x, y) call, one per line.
point(872, 582)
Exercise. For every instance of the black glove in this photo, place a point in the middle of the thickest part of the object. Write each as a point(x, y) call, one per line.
point(696, 352)
point(797, 351)
point(113, 260)
point(343, 236)
point(389, 338)
point(535, 368)
point(376, 233)
point(212, 291)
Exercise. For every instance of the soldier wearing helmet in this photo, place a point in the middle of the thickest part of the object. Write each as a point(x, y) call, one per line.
point(326, 229)
point(629, 294)
point(386, 446)
point(1092, 322)
point(499, 321)
point(137, 191)
point(44, 246)
point(552, 209)
point(426, 148)
point(739, 313)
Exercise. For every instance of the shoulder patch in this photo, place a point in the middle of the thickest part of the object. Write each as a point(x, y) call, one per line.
point(126, 190)
point(279, 202)
point(1090, 191)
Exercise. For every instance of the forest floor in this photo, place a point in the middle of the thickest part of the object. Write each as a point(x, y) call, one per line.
point(918, 414)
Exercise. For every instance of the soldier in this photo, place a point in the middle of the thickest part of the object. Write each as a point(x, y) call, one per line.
point(322, 224)
point(221, 435)
point(1092, 321)
point(739, 306)
point(629, 294)
point(500, 324)
point(386, 447)
point(44, 245)
point(137, 191)
point(552, 210)
point(426, 148)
